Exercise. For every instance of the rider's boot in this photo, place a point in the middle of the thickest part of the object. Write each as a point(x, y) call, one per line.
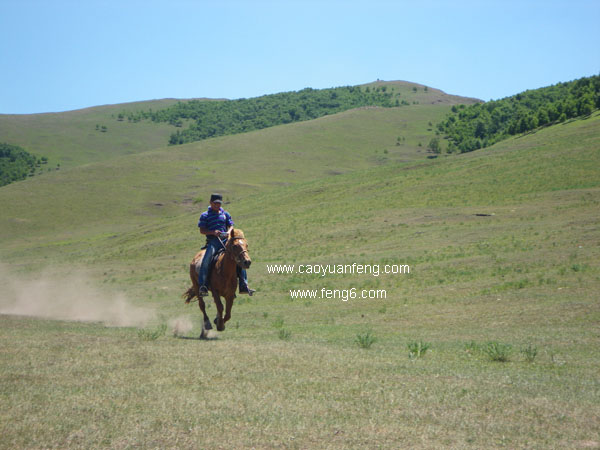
point(203, 291)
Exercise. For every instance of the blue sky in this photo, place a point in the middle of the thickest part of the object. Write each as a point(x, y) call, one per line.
point(61, 55)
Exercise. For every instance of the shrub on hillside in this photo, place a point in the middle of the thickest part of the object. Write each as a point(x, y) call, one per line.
point(224, 117)
point(16, 164)
point(483, 124)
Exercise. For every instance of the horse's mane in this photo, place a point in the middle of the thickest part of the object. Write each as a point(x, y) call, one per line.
point(238, 233)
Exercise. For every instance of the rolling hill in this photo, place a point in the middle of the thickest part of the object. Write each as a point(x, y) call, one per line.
point(168, 181)
point(503, 249)
point(72, 138)
point(97, 134)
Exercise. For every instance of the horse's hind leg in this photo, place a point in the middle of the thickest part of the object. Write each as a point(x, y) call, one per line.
point(219, 322)
point(202, 305)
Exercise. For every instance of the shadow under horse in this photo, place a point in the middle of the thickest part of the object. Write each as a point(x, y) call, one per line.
point(223, 278)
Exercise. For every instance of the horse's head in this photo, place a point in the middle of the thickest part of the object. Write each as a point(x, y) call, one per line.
point(238, 248)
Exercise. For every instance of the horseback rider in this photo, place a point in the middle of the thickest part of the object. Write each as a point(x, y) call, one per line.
point(216, 223)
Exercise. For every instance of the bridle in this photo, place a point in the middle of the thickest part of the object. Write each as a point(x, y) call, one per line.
point(236, 258)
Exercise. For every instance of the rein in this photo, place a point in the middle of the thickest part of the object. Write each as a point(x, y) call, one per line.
point(230, 251)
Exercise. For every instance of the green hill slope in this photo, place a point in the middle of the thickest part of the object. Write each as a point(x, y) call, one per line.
point(480, 125)
point(101, 133)
point(205, 120)
point(415, 93)
point(502, 246)
point(126, 191)
point(76, 137)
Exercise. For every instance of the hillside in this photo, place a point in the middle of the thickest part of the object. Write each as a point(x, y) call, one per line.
point(503, 249)
point(199, 120)
point(480, 125)
point(169, 181)
point(420, 93)
point(72, 138)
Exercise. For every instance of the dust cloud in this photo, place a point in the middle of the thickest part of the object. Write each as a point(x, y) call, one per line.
point(180, 325)
point(71, 297)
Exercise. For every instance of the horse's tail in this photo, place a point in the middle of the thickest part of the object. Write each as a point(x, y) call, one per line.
point(189, 294)
point(193, 290)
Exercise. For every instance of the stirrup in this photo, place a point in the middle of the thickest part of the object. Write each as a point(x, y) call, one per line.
point(202, 291)
point(249, 292)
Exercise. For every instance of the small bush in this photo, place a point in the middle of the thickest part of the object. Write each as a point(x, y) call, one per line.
point(497, 351)
point(278, 323)
point(417, 349)
point(365, 340)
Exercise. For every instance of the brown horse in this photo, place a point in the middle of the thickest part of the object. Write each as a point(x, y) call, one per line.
point(223, 278)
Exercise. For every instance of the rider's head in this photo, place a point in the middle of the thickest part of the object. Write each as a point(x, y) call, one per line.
point(215, 201)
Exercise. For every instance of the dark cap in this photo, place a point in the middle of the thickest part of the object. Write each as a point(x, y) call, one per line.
point(217, 198)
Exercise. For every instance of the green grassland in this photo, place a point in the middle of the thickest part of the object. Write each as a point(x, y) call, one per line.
point(72, 139)
point(75, 138)
point(131, 190)
point(288, 372)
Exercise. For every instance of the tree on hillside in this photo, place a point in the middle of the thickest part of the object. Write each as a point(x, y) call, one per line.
point(480, 125)
point(434, 146)
point(208, 119)
point(16, 164)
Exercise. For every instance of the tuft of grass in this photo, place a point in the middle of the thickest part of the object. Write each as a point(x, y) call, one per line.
point(278, 323)
point(472, 348)
point(497, 351)
point(417, 349)
point(365, 340)
point(285, 335)
point(530, 352)
point(152, 335)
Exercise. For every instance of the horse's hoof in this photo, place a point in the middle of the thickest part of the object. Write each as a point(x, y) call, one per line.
point(220, 324)
point(207, 325)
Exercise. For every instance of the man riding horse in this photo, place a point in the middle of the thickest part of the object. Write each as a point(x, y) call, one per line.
point(216, 224)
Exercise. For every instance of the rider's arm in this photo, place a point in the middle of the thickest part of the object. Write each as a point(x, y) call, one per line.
point(228, 222)
point(208, 232)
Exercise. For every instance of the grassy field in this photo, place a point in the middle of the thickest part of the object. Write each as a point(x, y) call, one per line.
point(503, 250)
point(74, 138)
point(168, 181)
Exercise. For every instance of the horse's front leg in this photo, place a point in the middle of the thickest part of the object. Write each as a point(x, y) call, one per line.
point(228, 306)
point(219, 322)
